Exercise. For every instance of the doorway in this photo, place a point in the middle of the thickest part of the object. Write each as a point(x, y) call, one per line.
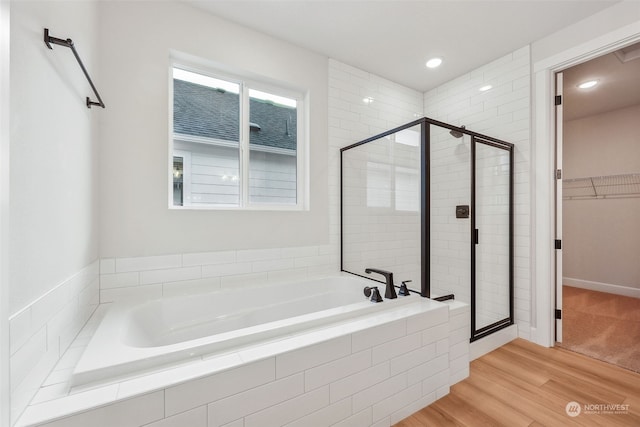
point(597, 198)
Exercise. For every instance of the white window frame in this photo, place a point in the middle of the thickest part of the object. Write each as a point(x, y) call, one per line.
point(247, 82)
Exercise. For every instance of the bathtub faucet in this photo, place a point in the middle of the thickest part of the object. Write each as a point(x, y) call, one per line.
point(390, 292)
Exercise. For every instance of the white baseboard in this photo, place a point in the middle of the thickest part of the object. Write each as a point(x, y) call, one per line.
point(626, 291)
point(491, 342)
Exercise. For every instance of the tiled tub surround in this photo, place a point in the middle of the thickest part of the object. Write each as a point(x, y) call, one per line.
point(41, 332)
point(372, 370)
point(180, 274)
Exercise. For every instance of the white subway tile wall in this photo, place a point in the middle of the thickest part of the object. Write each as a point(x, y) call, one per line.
point(390, 238)
point(41, 333)
point(148, 277)
point(335, 382)
point(504, 113)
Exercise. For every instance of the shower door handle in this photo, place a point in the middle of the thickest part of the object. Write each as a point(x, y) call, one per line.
point(475, 236)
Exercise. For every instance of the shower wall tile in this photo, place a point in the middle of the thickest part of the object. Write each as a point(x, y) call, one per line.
point(119, 280)
point(209, 258)
point(124, 265)
point(170, 275)
point(503, 112)
point(389, 239)
point(131, 293)
point(157, 276)
point(190, 287)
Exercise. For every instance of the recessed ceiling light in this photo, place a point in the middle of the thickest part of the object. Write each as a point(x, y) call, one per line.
point(588, 84)
point(434, 62)
point(485, 88)
point(367, 100)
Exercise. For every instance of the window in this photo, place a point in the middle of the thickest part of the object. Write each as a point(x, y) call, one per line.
point(235, 143)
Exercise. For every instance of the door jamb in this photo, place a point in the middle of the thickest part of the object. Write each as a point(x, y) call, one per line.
point(544, 208)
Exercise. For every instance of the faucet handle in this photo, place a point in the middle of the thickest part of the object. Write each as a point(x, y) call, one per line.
point(403, 288)
point(373, 292)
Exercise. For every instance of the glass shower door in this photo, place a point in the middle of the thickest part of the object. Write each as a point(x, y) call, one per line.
point(492, 284)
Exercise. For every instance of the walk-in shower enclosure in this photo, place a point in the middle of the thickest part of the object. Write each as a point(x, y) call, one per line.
point(433, 203)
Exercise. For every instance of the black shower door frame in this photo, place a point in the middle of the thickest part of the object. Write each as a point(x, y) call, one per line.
point(477, 333)
point(425, 226)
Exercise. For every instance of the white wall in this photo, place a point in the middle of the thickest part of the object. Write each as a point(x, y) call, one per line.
point(53, 149)
point(134, 61)
point(5, 35)
point(53, 238)
point(571, 38)
point(504, 113)
point(600, 236)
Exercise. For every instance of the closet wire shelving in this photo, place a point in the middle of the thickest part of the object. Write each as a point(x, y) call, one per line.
point(602, 187)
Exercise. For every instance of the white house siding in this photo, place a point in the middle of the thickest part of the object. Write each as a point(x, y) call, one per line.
point(212, 175)
point(272, 178)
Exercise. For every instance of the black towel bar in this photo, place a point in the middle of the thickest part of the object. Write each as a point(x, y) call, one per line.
point(69, 43)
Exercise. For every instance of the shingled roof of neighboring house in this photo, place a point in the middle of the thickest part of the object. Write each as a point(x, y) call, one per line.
point(213, 113)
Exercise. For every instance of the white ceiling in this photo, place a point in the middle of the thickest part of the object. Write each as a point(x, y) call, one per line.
point(618, 84)
point(394, 38)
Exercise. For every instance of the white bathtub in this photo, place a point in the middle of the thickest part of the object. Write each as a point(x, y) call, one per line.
point(145, 336)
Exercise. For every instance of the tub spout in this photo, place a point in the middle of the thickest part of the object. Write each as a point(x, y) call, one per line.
point(390, 292)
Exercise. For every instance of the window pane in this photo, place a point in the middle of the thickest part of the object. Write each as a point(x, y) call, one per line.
point(273, 149)
point(206, 124)
point(178, 183)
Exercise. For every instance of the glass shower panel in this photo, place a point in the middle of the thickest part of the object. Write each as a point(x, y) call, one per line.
point(493, 241)
point(381, 207)
point(450, 240)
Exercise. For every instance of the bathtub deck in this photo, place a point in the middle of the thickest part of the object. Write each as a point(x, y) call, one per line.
point(371, 361)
